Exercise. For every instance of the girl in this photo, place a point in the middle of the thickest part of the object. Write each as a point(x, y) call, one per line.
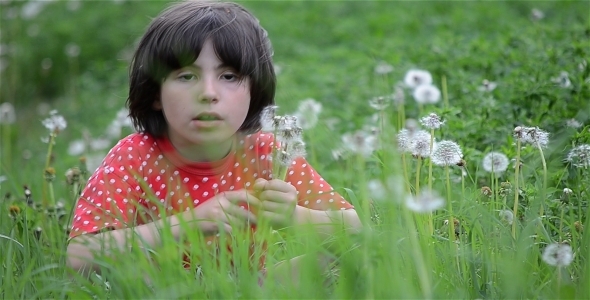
point(200, 77)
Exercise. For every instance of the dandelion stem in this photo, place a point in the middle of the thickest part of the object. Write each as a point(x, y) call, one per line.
point(430, 222)
point(47, 163)
point(444, 91)
point(418, 167)
point(406, 177)
point(423, 276)
point(516, 189)
point(544, 163)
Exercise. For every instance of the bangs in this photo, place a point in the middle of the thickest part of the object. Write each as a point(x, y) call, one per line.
point(179, 46)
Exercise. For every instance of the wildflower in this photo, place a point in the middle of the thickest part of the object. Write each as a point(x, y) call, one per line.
point(425, 202)
point(495, 162)
point(383, 68)
point(49, 174)
point(531, 135)
point(426, 93)
point(360, 142)
point(446, 153)
point(420, 144)
point(37, 232)
point(307, 113)
point(567, 191)
point(573, 123)
point(507, 216)
point(505, 188)
point(380, 102)
point(562, 80)
point(377, 189)
point(415, 78)
point(579, 156)
point(7, 114)
point(403, 140)
point(559, 255)
point(432, 121)
point(398, 96)
point(55, 123)
point(76, 147)
point(565, 196)
point(339, 153)
point(486, 191)
point(487, 86)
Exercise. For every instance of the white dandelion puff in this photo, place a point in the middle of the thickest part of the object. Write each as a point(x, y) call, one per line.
point(537, 14)
point(495, 162)
point(267, 118)
point(420, 144)
point(426, 94)
point(55, 123)
point(506, 216)
point(383, 68)
point(7, 113)
point(403, 140)
point(425, 202)
point(531, 135)
point(380, 102)
point(573, 123)
point(579, 156)
point(360, 142)
point(563, 80)
point(446, 153)
point(559, 255)
point(487, 86)
point(398, 97)
point(308, 113)
point(76, 147)
point(432, 121)
point(415, 78)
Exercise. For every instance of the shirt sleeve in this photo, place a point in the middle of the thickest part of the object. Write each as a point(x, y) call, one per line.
point(111, 197)
point(313, 191)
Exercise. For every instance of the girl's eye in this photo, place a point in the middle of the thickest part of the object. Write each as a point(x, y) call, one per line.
point(230, 77)
point(186, 77)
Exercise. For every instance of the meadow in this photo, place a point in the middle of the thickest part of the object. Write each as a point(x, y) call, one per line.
point(402, 103)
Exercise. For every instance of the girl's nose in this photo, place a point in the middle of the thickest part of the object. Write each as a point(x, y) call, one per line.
point(208, 91)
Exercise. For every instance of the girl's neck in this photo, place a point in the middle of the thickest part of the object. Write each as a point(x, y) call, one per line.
point(206, 153)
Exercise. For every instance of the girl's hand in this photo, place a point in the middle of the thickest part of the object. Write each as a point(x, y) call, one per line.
point(278, 200)
point(223, 212)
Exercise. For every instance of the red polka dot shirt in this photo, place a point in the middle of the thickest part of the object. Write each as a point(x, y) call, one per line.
point(143, 179)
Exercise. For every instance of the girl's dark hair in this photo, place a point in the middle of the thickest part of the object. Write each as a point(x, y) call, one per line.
point(174, 40)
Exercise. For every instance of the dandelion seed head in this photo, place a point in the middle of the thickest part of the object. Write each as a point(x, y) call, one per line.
point(579, 156)
point(537, 14)
point(308, 113)
point(380, 102)
point(420, 143)
point(425, 202)
point(495, 162)
point(426, 94)
point(412, 126)
point(563, 80)
point(559, 255)
point(7, 113)
point(506, 216)
point(55, 123)
point(416, 77)
point(446, 153)
point(487, 86)
point(573, 123)
point(567, 191)
point(403, 140)
point(398, 97)
point(383, 68)
point(360, 142)
point(531, 135)
point(432, 121)
point(268, 118)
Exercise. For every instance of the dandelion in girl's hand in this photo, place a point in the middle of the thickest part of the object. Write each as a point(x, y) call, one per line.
point(425, 202)
point(307, 113)
point(383, 68)
point(531, 135)
point(360, 142)
point(579, 156)
point(559, 255)
point(495, 162)
point(380, 102)
point(7, 114)
point(415, 78)
point(267, 118)
point(487, 86)
point(426, 94)
point(432, 121)
point(446, 153)
point(55, 123)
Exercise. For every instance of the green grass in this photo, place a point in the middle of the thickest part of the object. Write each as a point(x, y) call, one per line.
point(327, 51)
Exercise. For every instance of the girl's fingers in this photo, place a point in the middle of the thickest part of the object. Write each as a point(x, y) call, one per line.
point(241, 197)
point(239, 215)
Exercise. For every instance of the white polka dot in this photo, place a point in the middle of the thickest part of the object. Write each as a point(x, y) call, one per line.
point(262, 156)
point(205, 179)
point(223, 182)
point(299, 182)
point(236, 165)
point(318, 201)
point(246, 169)
point(215, 185)
point(97, 218)
point(85, 222)
point(306, 202)
point(309, 191)
point(331, 200)
point(195, 187)
point(247, 184)
point(196, 202)
point(291, 172)
point(205, 194)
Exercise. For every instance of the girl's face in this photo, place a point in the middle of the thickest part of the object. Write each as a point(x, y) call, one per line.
point(204, 105)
